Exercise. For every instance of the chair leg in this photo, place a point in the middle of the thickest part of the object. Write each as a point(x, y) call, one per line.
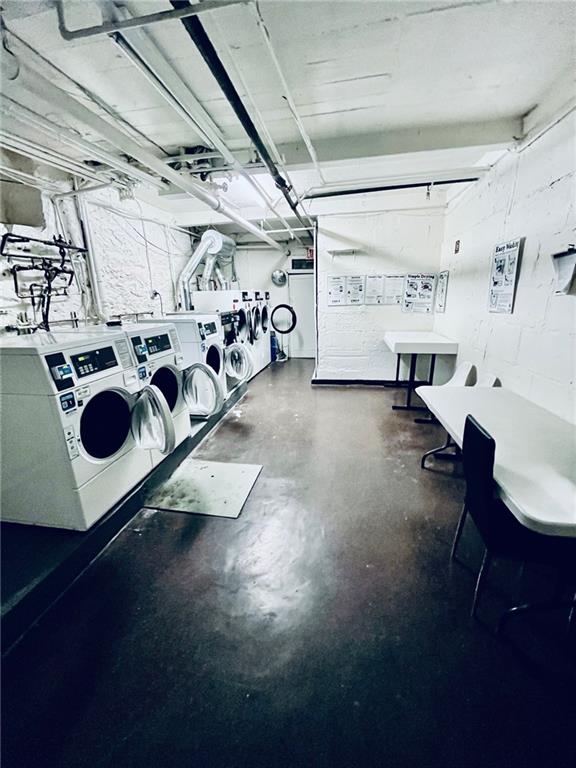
point(447, 444)
point(482, 576)
point(459, 529)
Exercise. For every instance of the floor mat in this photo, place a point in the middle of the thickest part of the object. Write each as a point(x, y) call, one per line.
point(205, 488)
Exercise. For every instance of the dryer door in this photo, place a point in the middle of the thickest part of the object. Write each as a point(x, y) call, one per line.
point(256, 323)
point(152, 422)
point(238, 362)
point(202, 391)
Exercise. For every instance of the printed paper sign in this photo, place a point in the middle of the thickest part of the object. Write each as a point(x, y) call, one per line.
point(393, 289)
point(419, 292)
point(336, 291)
point(441, 291)
point(355, 289)
point(374, 289)
point(503, 277)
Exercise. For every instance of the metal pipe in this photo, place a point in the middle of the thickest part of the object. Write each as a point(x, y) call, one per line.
point(209, 265)
point(139, 21)
point(198, 35)
point(51, 94)
point(387, 188)
point(83, 191)
point(287, 95)
point(142, 52)
point(26, 116)
point(191, 266)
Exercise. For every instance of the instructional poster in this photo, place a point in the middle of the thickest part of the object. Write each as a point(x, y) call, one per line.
point(503, 277)
point(374, 289)
point(441, 291)
point(355, 289)
point(393, 289)
point(336, 291)
point(419, 292)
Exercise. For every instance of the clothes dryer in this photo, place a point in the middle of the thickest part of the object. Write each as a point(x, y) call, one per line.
point(79, 430)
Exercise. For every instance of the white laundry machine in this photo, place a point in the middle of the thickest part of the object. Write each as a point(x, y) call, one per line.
point(261, 331)
point(204, 337)
point(237, 301)
point(79, 429)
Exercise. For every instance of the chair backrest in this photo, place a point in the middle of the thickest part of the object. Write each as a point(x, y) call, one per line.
point(478, 450)
point(488, 380)
point(463, 376)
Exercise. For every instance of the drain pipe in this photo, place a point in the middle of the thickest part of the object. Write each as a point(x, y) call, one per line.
point(197, 33)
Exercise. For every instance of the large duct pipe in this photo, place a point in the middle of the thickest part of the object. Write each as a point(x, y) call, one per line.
point(211, 243)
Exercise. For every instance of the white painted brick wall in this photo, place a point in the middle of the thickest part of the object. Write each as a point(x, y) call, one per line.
point(350, 341)
point(121, 252)
point(529, 194)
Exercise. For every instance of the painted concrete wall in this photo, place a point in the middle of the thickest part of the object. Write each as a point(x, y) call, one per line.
point(135, 258)
point(393, 240)
point(528, 194)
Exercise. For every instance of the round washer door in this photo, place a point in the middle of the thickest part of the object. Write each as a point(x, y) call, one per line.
point(256, 323)
point(238, 362)
point(202, 391)
point(264, 319)
point(167, 380)
point(152, 422)
point(213, 358)
point(243, 325)
point(105, 423)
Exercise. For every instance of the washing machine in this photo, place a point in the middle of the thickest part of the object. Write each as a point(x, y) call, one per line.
point(79, 429)
point(261, 331)
point(237, 301)
point(209, 340)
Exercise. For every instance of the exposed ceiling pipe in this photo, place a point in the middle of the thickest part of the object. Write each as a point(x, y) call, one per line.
point(54, 96)
point(387, 188)
point(198, 35)
point(41, 154)
point(27, 117)
point(139, 21)
point(143, 53)
point(287, 95)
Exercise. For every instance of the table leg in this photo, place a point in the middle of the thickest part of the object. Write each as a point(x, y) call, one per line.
point(410, 388)
point(397, 382)
point(431, 419)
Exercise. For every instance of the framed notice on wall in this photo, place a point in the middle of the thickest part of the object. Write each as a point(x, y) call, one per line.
point(441, 291)
point(504, 275)
point(419, 292)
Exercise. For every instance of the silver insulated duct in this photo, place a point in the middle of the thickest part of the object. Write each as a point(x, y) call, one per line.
point(212, 245)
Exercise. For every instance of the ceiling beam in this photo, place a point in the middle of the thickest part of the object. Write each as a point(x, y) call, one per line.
point(493, 134)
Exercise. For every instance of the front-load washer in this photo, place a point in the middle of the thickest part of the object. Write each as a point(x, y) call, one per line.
point(261, 331)
point(79, 430)
point(158, 353)
point(202, 346)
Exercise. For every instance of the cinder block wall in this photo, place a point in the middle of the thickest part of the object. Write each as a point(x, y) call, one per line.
point(528, 194)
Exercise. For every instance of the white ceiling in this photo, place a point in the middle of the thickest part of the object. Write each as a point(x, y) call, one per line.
point(414, 86)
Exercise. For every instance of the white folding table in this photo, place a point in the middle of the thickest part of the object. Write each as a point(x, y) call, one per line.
point(416, 343)
point(535, 461)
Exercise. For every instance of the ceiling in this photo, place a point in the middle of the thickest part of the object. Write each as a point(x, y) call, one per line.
point(384, 89)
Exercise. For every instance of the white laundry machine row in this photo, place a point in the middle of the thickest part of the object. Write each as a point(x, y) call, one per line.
point(81, 426)
point(203, 338)
point(251, 322)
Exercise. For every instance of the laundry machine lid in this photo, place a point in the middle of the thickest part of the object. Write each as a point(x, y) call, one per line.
point(152, 422)
point(238, 362)
point(202, 391)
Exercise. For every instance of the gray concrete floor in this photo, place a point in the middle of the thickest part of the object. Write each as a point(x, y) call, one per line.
point(324, 627)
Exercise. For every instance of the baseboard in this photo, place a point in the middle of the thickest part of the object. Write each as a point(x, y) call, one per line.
point(352, 382)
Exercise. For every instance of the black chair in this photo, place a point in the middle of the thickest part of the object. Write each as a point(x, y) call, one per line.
point(503, 535)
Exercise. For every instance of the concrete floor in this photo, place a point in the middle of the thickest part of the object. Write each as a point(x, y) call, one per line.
point(323, 628)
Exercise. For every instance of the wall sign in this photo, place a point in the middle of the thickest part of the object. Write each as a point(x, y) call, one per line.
point(394, 289)
point(441, 291)
point(419, 292)
point(336, 290)
point(374, 289)
point(503, 276)
point(355, 289)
